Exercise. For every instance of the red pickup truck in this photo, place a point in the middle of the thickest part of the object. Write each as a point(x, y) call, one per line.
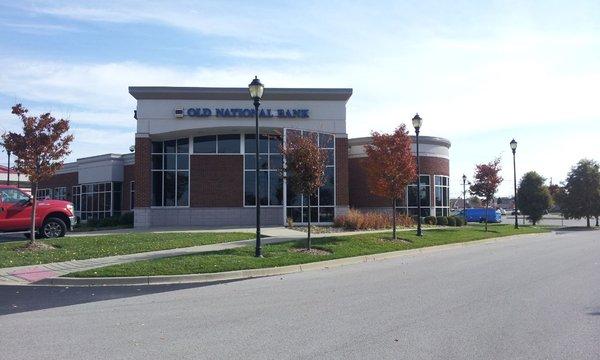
point(52, 217)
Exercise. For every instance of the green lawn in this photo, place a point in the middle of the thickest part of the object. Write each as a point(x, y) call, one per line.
point(279, 254)
point(86, 247)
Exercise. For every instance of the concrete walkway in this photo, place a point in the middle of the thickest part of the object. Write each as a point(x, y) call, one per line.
point(28, 274)
point(271, 231)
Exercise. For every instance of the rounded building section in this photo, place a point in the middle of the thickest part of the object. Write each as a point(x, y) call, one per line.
point(434, 156)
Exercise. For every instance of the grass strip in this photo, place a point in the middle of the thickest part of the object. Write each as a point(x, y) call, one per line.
point(281, 254)
point(87, 247)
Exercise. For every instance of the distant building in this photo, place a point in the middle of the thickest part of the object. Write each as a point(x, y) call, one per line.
point(15, 178)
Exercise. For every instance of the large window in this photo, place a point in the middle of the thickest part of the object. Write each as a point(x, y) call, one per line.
point(442, 195)
point(98, 200)
point(60, 193)
point(323, 202)
point(57, 193)
point(42, 194)
point(413, 196)
point(170, 172)
point(270, 164)
point(217, 144)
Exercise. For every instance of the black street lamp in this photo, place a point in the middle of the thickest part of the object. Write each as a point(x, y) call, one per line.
point(417, 122)
point(8, 167)
point(256, 89)
point(465, 197)
point(513, 147)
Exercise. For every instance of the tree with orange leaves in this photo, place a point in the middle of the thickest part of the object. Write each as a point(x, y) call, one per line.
point(40, 149)
point(487, 179)
point(390, 166)
point(305, 165)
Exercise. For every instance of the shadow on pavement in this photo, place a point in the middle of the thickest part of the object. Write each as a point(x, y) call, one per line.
point(568, 229)
point(17, 299)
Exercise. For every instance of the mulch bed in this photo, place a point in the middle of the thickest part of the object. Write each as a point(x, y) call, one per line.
point(35, 246)
point(318, 229)
point(312, 251)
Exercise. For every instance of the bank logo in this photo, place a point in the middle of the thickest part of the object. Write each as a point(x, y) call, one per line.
point(242, 113)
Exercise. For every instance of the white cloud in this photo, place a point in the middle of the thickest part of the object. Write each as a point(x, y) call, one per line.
point(499, 80)
point(37, 28)
point(207, 18)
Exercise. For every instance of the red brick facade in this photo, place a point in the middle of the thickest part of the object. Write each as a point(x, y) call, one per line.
point(341, 172)
point(435, 166)
point(143, 165)
point(360, 196)
point(216, 180)
point(67, 179)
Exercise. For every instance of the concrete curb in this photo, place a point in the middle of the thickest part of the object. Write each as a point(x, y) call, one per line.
point(256, 273)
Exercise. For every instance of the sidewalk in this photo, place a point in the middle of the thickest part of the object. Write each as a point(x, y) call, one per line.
point(23, 275)
point(271, 231)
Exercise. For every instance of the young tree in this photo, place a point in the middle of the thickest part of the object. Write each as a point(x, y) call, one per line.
point(534, 197)
point(304, 168)
point(390, 166)
point(40, 149)
point(580, 197)
point(487, 179)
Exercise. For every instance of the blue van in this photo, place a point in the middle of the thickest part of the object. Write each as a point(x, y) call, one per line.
point(479, 215)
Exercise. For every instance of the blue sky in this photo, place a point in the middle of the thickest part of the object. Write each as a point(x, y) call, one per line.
point(479, 73)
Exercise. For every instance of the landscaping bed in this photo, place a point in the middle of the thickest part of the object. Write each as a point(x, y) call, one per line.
point(283, 254)
point(87, 247)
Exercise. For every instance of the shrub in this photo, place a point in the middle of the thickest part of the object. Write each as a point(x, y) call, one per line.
point(357, 220)
point(404, 220)
point(109, 221)
point(430, 220)
point(415, 218)
point(126, 218)
point(442, 220)
point(459, 221)
point(451, 221)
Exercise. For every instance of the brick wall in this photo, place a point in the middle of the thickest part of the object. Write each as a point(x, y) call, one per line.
point(341, 171)
point(435, 166)
point(360, 196)
point(359, 193)
point(143, 163)
point(68, 180)
point(216, 181)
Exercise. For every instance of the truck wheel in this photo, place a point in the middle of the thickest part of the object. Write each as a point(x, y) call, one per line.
point(53, 228)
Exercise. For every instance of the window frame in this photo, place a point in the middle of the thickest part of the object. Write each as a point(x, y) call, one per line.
point(268, 171)
point(176, 155)
point(318, 207)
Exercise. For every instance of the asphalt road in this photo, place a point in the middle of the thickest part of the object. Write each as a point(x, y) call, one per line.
point(551, 220)
point(533, 297)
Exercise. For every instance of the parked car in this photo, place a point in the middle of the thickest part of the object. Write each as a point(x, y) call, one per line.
point(53, 218)
point(513, 212)
point(480, 214)
point(502, 211)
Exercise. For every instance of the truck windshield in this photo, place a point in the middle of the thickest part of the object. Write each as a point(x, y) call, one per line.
point(11, 196)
